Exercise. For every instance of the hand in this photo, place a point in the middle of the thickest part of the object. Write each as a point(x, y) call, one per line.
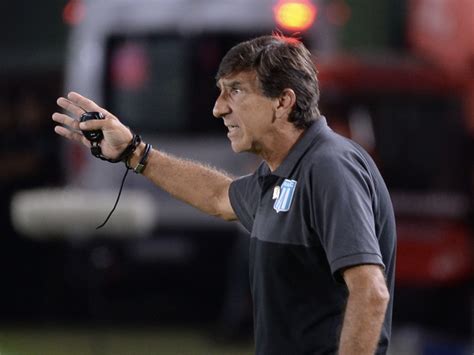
point(116, 135)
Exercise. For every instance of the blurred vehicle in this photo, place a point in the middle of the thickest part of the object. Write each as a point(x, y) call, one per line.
point(152, 63)
point(410, 117)
point(414, 113)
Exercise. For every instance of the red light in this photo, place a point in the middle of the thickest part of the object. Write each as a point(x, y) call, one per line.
point(74, 12)
point(338, 12)
point(295, 15)
point(130, 67)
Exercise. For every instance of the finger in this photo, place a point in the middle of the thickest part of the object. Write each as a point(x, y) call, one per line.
point(85, 103)
point(70, 106)
point(72, 135)
point(92, 125)
point(65, 120)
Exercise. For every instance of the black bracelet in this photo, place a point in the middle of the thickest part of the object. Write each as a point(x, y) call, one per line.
point(142, 164)
point(127, 152)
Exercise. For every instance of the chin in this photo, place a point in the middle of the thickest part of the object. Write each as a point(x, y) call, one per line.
point(238, 148)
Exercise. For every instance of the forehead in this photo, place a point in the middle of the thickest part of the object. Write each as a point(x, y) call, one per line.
point(243, 78)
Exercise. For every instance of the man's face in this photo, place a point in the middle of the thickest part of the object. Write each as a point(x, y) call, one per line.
point(246, 112)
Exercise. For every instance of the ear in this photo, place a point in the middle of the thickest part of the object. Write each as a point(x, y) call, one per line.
point(284, 103)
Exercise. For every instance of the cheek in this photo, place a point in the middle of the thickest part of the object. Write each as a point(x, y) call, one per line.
point(254, 117)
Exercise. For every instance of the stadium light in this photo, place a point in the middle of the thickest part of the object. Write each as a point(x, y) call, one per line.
point(295, 15)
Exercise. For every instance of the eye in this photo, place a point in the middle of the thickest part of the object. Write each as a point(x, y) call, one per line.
point(235, 91)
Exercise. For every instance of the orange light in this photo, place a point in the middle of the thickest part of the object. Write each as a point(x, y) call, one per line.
point(295, 15)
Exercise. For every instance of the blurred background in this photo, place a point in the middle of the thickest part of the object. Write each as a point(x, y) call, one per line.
point(397, 76)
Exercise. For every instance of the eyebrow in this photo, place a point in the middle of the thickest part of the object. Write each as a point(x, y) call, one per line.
point(231, 84)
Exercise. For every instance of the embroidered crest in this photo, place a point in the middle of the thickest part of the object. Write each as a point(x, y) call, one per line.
point(287, 190)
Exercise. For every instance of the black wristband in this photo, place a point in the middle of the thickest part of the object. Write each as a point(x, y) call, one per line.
point(144, 159)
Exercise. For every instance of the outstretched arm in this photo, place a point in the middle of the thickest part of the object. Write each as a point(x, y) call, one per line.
point(194, 183)
point(365, 310)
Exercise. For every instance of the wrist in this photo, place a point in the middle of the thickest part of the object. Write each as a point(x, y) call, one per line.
point(135, 157)
point(128, 141)
point(143, 159)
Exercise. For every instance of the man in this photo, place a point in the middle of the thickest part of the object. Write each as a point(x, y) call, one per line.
point(321, 222)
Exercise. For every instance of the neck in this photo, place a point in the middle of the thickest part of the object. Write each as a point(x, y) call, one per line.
point(276, 148)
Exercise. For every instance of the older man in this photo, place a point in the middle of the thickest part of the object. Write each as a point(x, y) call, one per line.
point(322, 249)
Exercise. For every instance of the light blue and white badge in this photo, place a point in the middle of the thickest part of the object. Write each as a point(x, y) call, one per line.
point(285, 197)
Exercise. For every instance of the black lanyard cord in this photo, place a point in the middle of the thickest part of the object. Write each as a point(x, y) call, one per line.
point(118, 198)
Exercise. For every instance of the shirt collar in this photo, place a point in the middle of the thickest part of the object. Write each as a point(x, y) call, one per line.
point(297, 151)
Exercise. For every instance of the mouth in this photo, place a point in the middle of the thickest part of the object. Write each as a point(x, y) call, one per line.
point(232, 129)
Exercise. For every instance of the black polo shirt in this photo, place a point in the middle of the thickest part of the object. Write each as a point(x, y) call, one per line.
point(325, 208)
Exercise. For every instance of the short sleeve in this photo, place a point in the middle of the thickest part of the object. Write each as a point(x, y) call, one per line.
point(244, 193)
point(343, 199)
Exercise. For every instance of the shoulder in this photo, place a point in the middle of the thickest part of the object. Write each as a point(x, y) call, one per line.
point(333, 153)
point(337, 166)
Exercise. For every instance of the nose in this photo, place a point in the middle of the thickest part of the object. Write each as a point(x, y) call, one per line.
point(221, 108)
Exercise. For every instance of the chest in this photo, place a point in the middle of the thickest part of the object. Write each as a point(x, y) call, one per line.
point(283, 213)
